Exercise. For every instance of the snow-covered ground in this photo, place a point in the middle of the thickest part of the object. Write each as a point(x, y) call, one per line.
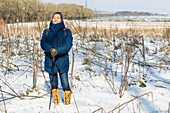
point(91, 90)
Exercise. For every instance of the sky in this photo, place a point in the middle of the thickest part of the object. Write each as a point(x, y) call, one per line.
point(153, 6)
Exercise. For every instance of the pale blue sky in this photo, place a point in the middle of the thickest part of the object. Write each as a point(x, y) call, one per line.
point(153, 6)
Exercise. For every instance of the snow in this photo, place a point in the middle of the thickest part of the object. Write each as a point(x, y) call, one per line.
point(91, 89)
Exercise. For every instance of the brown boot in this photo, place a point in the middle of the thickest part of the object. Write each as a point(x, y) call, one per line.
point(67, 97)
point(56, 97)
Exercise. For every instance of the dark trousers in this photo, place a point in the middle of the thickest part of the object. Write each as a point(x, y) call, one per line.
point(63, 79)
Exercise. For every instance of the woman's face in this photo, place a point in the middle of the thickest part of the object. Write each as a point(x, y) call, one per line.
point(56, 18)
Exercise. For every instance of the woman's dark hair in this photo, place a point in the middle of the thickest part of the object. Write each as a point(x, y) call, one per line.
point(61, 15)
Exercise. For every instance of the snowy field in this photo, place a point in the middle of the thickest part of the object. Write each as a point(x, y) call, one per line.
point(143, 62)
point(104, 24)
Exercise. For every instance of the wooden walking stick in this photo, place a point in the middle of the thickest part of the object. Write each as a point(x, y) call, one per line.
point(52, 67)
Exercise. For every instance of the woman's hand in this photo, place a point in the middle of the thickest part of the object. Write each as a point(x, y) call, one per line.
point(54, 52)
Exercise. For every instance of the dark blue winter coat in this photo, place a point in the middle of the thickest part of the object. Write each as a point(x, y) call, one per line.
point(56, 38)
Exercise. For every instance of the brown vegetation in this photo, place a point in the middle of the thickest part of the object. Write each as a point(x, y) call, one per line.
point(32, 10)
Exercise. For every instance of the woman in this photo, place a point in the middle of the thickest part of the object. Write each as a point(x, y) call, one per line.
point(57, 42)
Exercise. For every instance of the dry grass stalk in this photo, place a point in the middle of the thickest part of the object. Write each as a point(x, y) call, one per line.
point(133, 67)
point(3, 101)
point(8, 93)
point(45, 80)
point(133, 100)
point(139, 107)
point(133, 107)
point(105, 69)
point(101, 108)
point(119, 108)
point(111, 62)
point(120, 89)
point(21, 97)
point(72, 70)
point(5, 82)
point(34, 74)
point(38, 89)
point(75, 102)
point(138, 65)
point(112, 72)
point(37, 61)
point(160, 66)
point(8, 98)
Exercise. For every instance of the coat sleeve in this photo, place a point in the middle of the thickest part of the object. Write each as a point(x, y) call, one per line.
point(65, 48)
point(45, 45)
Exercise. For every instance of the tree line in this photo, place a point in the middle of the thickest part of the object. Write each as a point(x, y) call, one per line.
point(33, 10)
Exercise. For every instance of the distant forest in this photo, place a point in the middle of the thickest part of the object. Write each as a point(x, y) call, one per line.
point(33, 10)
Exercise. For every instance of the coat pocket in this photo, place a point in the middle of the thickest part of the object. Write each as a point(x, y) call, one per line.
point(63, 62)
